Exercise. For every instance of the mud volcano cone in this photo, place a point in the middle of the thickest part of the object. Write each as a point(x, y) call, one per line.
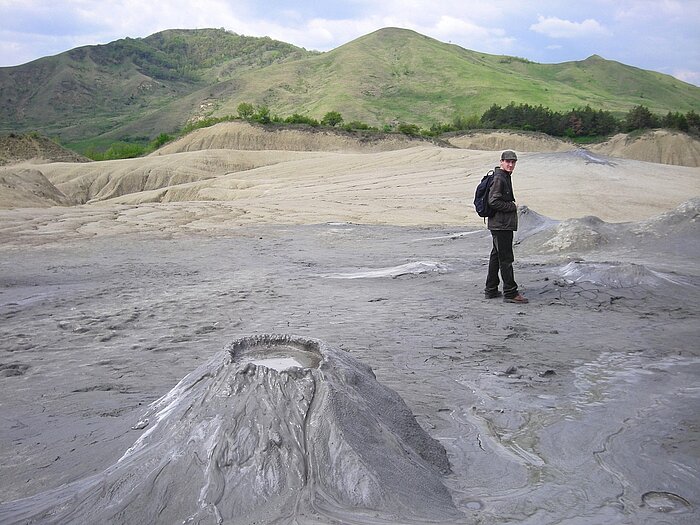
point(273, 429)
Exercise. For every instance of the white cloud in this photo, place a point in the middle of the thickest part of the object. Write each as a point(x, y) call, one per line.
point(554, 27)
point(451, 28)
point(474, 25)
point(137, 18)
point(325, 34)
point(691, 77)
point(642, 10)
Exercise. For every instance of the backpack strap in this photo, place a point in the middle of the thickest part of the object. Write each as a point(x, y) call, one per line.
point(491, 173)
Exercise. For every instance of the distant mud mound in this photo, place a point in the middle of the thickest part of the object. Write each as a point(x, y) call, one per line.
point(626, 275)
point(245, 136)
point(680, 222)
point(659, 146)
point(675, 231)
point(531, 223)
point(573, 235)
point(22, 187)
point(104, 180)
point(274, 429)
point(500, 140)
point(582, 234)
point(15, 148)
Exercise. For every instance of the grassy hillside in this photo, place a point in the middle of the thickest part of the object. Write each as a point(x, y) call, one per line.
point(92, 90)
point(396, 74)
point(138, 88)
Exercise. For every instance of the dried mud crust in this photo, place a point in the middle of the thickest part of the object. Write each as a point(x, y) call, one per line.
point(577, 406)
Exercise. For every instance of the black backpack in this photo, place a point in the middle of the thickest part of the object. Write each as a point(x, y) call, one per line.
point(481, 196)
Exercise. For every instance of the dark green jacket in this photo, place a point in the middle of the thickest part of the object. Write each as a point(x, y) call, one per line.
point(502, 200)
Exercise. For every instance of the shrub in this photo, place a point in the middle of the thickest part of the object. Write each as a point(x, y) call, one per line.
point(461, 122)
point(124, 150)
point(332, 118)
point(160, 140)
point(94, 154)
point(296, 118)
point(245, 110)
point(356, 125)
point(262, 115)
point(408, 129)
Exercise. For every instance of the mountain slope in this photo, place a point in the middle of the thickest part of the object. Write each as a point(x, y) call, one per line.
point(397, 74)
point(94, 89)
point(138, 88)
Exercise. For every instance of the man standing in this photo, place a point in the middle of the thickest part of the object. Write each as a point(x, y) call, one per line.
point(502, 225)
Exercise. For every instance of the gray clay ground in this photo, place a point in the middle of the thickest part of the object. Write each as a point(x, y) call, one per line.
point(581, 407)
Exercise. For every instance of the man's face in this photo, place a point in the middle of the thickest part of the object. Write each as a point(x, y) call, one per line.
point(508, 165)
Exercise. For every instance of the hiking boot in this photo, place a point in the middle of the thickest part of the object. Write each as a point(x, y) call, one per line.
point(518, 299)
point(492, 295)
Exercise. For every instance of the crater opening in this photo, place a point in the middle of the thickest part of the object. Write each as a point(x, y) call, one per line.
point(665, 502)
point(279, 353)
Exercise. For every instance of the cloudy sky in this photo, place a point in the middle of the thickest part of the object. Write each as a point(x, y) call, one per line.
point(661, 35)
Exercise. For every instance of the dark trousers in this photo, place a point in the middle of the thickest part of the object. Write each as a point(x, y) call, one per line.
point(501, 259)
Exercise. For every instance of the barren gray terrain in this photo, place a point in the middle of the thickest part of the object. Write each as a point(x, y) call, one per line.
point(580, 407)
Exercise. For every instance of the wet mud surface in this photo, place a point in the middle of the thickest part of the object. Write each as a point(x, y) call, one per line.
point(580, 407)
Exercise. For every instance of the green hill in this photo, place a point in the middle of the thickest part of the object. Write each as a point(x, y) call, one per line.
point(396, 74)
point(92, 90)
point(137, 88)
